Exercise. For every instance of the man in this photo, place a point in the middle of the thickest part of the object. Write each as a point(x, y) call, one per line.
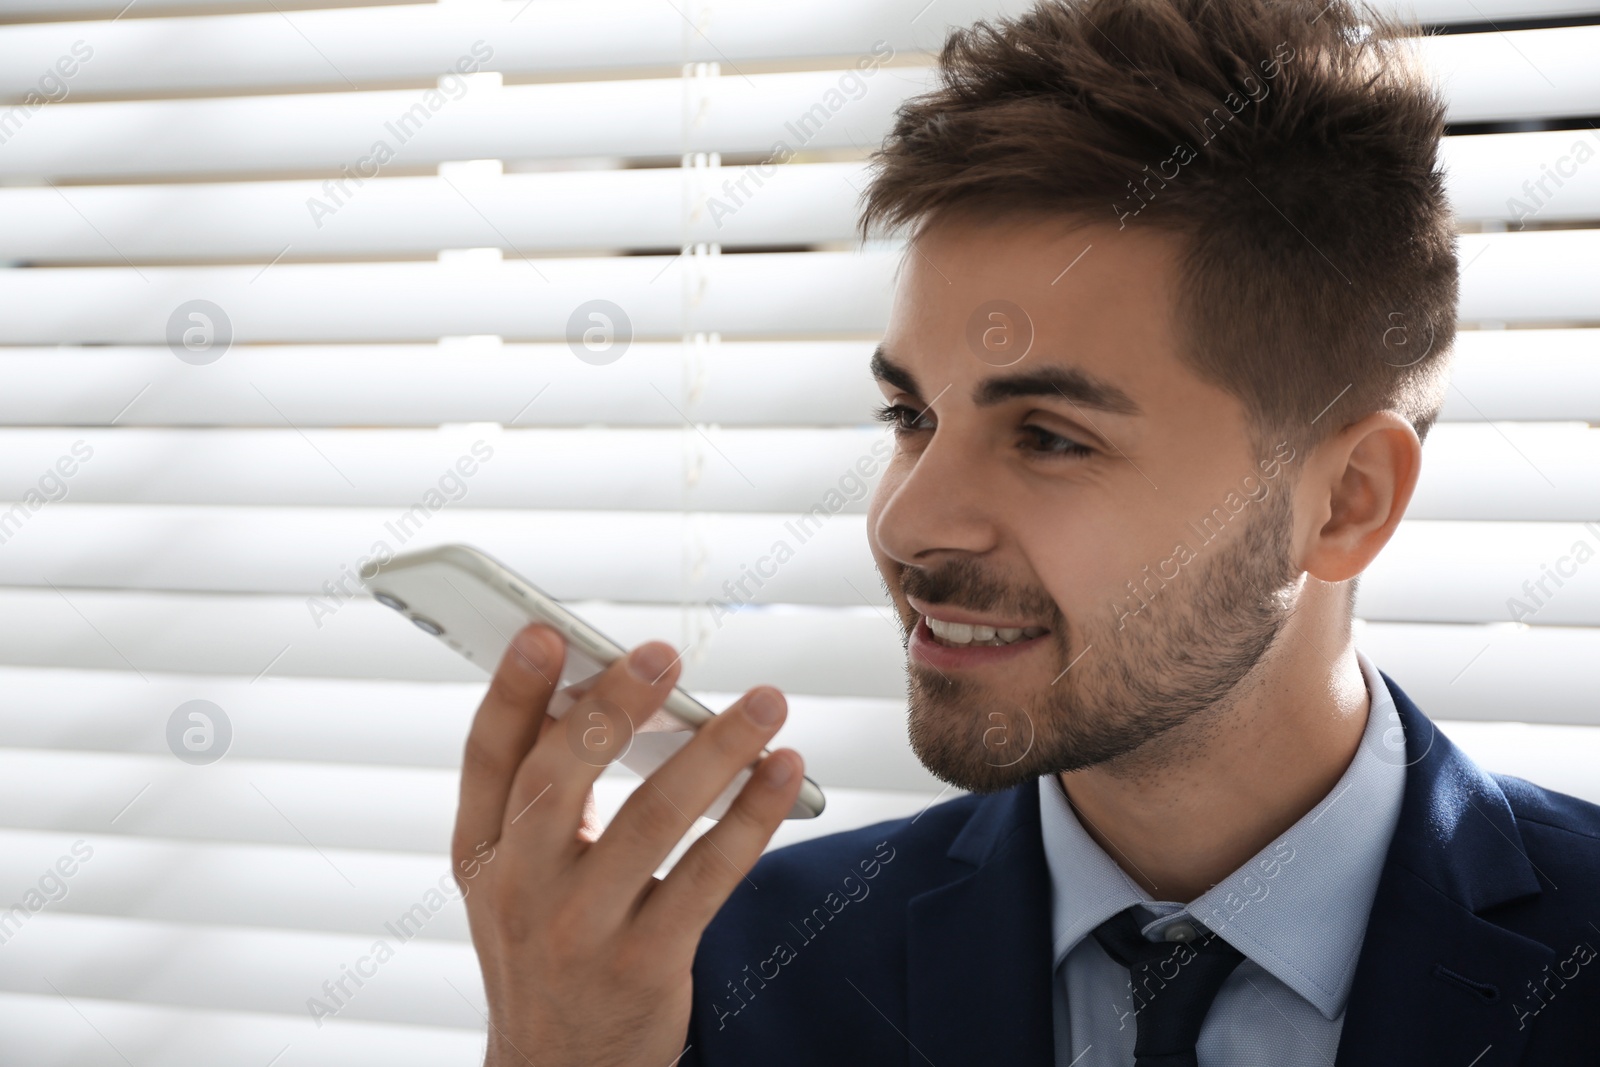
point(1173, 324)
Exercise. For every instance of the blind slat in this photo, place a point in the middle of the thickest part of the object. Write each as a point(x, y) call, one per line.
point(1431, 571)
point(1532, 277)
point(750, 296)
point(264, 50)
point(1488, 471)
point(422, 472)
point(1517, 75)
point(286, 886)
point(341, 815)
point(43, 1030)
point(731, 383)
point(1524, 178)
point(187, 965)
point(244, 636)
point(263, 135)
point(523, 214)
point(384, 45)
point(1490, 177)
point(848, 742)
point(1498, 374)
point(1506, 375)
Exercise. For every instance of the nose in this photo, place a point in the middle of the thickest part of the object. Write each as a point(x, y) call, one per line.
point(943, 505)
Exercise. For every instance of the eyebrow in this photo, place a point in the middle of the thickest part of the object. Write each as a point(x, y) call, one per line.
point(1068, 383)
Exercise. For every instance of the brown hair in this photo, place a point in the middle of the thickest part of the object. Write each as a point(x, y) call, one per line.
point(1292, 145)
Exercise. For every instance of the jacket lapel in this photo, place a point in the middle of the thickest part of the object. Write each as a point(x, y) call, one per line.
point(1437, 982)
point(978, 949)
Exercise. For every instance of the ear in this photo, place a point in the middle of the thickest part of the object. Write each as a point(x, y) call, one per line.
point(1359, 483)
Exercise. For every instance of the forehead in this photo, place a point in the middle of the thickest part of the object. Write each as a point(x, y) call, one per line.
point(980, 300)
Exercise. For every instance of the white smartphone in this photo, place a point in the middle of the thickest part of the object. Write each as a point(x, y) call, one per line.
point(476, 604)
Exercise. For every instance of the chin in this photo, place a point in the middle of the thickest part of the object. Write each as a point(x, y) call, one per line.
point(981, 751)
point(968, 737)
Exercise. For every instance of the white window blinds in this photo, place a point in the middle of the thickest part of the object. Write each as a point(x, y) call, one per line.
point(241, 345)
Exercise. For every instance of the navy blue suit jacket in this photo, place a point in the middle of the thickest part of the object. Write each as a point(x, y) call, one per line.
point(927, 940)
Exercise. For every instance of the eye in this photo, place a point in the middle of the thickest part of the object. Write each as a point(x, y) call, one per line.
point(905, 420)
point(1053, 445)
point(902, 419)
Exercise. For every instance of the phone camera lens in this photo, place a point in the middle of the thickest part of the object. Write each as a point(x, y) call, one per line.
point(427, 625)
point(389, 601)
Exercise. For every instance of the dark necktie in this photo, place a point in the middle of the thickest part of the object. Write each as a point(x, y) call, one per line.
point(1174, 984)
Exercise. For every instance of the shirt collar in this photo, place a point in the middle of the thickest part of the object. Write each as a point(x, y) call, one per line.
point(1298, 908)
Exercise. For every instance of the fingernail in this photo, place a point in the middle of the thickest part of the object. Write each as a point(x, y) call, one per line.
point(777, 769)
point(649, 662)
point(763, 707)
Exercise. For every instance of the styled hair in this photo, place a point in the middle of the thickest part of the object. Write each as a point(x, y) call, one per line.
point(1291, 144)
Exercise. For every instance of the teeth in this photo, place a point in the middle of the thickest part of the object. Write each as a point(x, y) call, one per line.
point(958, 633)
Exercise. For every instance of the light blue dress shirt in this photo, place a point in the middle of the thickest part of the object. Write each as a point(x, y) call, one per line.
point(1297, 910)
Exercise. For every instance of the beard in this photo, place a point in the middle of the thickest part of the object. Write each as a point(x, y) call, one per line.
point(1133, 680)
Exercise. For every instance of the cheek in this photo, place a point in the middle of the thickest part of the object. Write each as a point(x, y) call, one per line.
point(1084, 561)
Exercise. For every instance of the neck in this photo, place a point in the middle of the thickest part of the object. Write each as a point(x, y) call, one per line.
point(1213, 792)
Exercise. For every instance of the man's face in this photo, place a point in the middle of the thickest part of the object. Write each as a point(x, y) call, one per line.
point(1060, 471)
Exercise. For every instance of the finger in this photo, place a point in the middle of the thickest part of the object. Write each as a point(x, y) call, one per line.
point(506, 725)
point(679, 909)
point(655, 817)
point(548, 793)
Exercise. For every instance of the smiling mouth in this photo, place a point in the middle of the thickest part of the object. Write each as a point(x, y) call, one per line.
point(963, 635)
